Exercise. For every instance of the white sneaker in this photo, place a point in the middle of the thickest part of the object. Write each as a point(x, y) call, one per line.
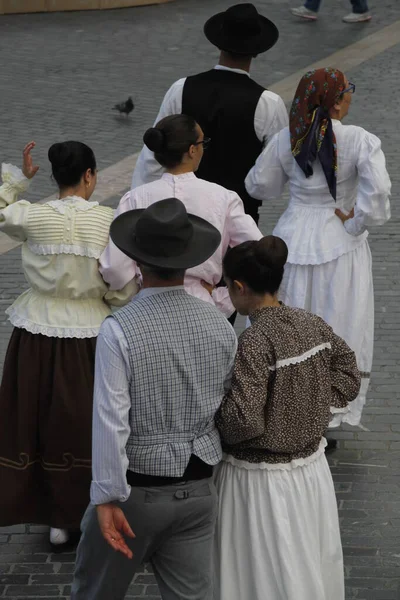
point(357, 17)
point(304, 13)
point(58, 536)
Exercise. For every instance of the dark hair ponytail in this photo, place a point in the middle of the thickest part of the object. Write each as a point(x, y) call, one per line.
point(69, 161)
point(258, 264)
point(171, 138)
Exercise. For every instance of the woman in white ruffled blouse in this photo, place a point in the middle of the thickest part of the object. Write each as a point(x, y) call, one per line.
point(47, 386)
point(339, 187)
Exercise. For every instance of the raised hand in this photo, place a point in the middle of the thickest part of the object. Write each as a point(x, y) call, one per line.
point(28, 169)
point(114, 526)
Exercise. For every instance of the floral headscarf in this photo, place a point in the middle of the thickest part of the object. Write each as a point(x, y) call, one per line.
point(311, 132)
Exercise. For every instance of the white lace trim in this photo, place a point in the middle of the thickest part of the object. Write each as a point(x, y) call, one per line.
point(15, 182)
point(335, 411)
point(58, 332)
point(264, 466)
point(75, 249)
point(79, 204)
point(295, 360)
point(351, 416)
point(13, 174)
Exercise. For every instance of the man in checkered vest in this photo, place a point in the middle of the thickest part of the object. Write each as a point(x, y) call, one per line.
point(162, 365)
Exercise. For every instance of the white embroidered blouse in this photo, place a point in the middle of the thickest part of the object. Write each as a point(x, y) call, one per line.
point(62, 241)
point(309, 226)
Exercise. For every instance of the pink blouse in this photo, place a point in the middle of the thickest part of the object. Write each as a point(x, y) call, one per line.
point(221, 207)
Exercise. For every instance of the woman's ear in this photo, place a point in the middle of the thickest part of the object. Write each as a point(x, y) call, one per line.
point(338, 104)
point(88, 175)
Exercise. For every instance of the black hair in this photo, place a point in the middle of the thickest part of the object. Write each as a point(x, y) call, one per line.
point(163, 273)
point(258, 264)
point(69, 161)
point(171, 138)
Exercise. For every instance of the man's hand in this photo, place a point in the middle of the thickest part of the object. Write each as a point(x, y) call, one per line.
point(28, 169)
point(114, 526)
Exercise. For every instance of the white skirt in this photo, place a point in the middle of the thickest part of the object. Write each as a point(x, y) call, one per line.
point(341, 292)
point(277, 534)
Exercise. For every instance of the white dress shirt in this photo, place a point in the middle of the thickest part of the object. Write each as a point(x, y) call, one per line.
point(309, 226)
point(270, 117)
point(112, 405)
point(221, 207)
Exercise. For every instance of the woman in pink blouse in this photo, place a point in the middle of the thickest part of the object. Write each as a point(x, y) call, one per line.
point(178, 143)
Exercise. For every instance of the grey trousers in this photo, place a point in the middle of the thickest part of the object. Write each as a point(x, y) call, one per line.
point(174, 527)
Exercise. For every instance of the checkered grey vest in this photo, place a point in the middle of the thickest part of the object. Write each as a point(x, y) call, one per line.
point(180, 349)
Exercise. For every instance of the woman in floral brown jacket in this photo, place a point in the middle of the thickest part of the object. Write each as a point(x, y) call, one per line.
point(278, 527)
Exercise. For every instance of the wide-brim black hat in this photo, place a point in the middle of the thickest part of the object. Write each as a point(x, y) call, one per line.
point(241, 30)
point(165, 235)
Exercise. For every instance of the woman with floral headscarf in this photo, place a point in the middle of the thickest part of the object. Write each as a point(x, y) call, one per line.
point(339, 187)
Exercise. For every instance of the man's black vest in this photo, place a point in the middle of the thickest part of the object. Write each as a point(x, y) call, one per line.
point(224, 104)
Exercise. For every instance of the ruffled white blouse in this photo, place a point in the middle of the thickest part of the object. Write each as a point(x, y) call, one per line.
point(62, 241)
point(309, 226)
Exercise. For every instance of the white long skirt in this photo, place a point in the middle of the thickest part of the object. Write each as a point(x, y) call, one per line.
point(341, 292)
point(277, 534)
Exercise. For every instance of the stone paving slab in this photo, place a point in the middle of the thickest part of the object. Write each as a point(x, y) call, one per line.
point(62, 73)
point(70, 97)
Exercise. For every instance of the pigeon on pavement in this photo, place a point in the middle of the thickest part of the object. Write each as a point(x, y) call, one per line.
point(125, 107)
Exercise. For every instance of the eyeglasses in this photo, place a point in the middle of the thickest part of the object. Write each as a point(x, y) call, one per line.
point(350, 90)
point(206, 141)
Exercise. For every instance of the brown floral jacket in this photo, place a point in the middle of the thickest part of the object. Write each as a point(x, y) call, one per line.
point(290, 369)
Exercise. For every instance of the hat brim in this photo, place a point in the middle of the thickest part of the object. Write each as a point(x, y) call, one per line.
point(204, 242)
point(257, 44)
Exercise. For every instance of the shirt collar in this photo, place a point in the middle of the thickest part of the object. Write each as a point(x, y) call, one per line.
point(190, 175)
point(77, 202)
point(260, 312)
point(152, 291)
point(223, 68)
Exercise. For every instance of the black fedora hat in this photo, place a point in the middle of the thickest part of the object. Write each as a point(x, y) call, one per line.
point(165, 235)
point(241, 30)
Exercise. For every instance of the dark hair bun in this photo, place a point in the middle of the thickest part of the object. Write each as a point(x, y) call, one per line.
point(154, 139)
point(69, 161)
point(60, 155)
point(271, 251)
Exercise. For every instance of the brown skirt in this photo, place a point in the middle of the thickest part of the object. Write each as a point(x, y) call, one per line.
point(45, 429)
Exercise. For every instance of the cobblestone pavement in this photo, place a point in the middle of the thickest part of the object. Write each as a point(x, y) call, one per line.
point(61, 74)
